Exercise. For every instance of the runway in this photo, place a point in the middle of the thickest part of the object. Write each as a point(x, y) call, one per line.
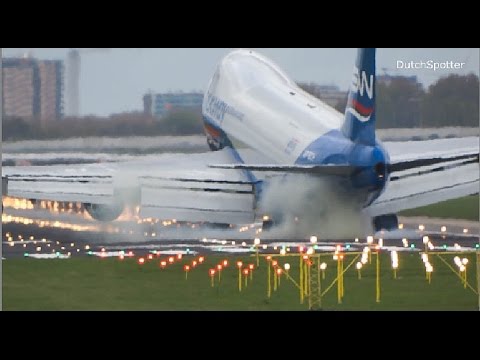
point(41, 234)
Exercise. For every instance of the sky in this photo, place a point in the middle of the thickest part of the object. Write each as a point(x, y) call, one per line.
point(115, 80)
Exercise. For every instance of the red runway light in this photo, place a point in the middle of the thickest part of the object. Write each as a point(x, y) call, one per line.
point(150, 256)
point(279, 271)
point(179, 256)
point(305, 257)
point(201, 259)
point(121, 257)
point(300, 249)
point(186, 268)
point(141, 261)
point(269, 258)
point(171, 259)
point(245, 272)
point(251, 266)
point(194, 263)
point(239, 264)
point(219, 267)
point(274, 263)
point(225, 263)
point(163, 264)
point(211, 272)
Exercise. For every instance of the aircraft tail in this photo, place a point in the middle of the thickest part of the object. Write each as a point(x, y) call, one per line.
point(359, 124)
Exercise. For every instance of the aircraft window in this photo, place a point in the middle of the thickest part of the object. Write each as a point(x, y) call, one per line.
point(292, 93)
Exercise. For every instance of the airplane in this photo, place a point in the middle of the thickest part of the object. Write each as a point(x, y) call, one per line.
point(279, 155)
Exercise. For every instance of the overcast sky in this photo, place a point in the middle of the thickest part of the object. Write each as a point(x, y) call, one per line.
point(114, 80)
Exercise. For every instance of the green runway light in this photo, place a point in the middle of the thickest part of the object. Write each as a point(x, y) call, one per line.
point(57, 254)
point(315, 247)
point(188, 251)
point(412, 246)
point(347, 246)
point(445, 246)
point(477, 246)
point(90, 252)
point(26, 254)
point(122, 252)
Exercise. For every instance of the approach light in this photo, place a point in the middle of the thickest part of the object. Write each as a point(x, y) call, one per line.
point(359, 265)
point(256, 242)
point(287, 266)
point(421, 227)
point(425, 239)
point(313, 239)
point(443, 228)
point(323, 266)
point(464, 261)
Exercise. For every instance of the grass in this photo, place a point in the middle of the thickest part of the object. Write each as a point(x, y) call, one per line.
point(461, 208)
point(109, 284)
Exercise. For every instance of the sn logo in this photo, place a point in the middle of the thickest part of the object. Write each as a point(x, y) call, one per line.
point(361, 83)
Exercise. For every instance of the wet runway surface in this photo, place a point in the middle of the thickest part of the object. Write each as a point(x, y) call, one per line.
point(43, 234)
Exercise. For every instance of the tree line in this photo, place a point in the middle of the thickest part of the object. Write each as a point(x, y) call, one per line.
point(400, 102)
point(177, 122)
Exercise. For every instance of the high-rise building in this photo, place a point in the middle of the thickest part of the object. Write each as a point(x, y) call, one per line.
point(51, 89)
point(21, 88)
point(32, 89)
point(160, 104)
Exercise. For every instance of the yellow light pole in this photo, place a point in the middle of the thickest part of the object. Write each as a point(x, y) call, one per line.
point(219, 268)
point(301, 275)
point(211, 272)
point(378, 278)
point(239, 265)
point(274, 265)
point(279, 274)
point(394, 256)
point(464, 263)
point(323, 267)
point(359, 270)
point(256, 242)
point(251, 267)
point(269, 286)
point(306, 274)
point(478, 277)
point(245, 272)
point(287, 268)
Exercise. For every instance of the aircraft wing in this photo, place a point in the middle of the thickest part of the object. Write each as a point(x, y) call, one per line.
point(173, 186)
point(427, 172)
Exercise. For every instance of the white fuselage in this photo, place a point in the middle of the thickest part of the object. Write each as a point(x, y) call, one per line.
point(256, 104)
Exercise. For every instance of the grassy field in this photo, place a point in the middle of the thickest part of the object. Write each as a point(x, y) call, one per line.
point(462, 208)
point(111, 284)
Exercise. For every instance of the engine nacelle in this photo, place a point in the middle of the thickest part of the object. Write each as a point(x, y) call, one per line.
point(104, 212)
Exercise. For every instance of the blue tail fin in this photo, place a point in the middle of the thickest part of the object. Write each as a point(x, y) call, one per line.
point(359, 125)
